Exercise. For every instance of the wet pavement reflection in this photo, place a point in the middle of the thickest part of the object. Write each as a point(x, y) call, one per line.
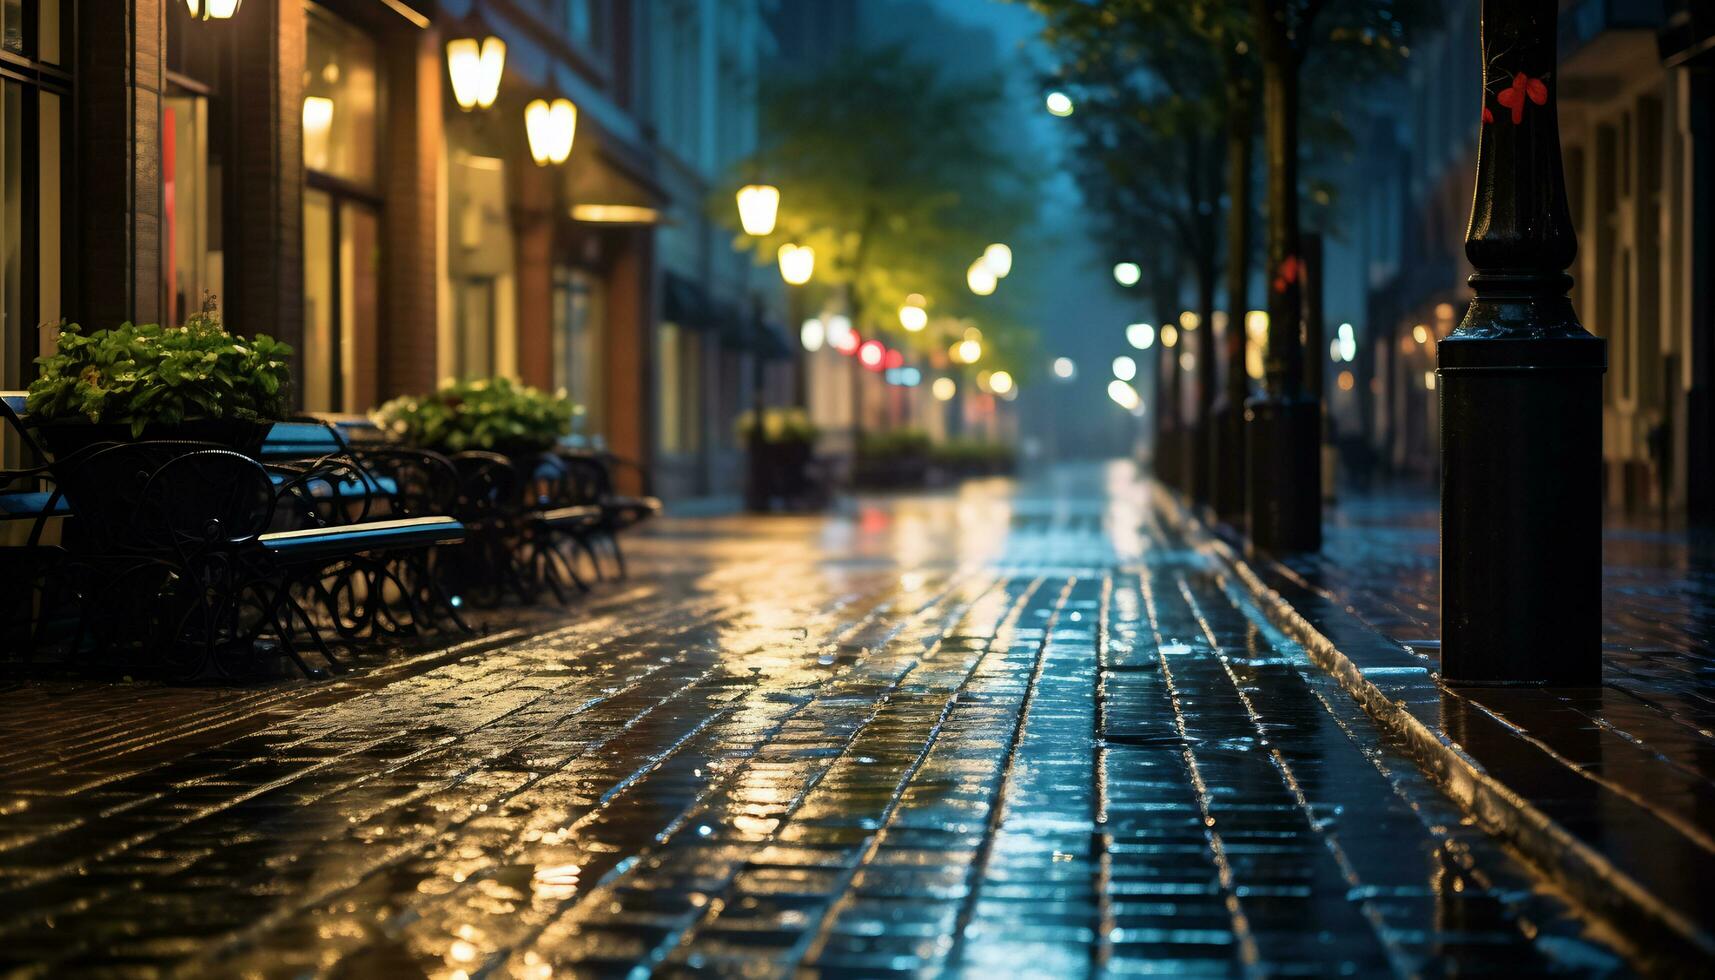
point(1020, 729)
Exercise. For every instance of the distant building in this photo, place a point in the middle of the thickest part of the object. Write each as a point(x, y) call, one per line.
point(307, 163)
point(1635, 115)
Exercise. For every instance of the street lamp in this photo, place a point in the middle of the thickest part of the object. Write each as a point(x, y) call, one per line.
point(475, 68)
point(1169, 335)
point(797, 263)
point(213, 9)
point(1140, 335)
point(944, 389)
point(1125, 368)
point(1000, 383)
point(912, 316)
point(551, 128)
point(813, 334)
point(981, 278)
point(1059, 103)
point(1127, 273)
point(998, 258)
point(1064, 368)
point(758, 206)
point(1124, 395)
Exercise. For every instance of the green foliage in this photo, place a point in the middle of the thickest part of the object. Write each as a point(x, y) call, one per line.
point(893, 444)
point(894, 174)
point(972, 453)
point(490, 413)
point(779, 425)
point(141, 374)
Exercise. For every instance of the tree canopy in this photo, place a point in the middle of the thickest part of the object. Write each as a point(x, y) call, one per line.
point(890, 171)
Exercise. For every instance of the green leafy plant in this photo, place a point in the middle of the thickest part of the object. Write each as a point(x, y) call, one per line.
point(490, 413)
point(779, 425)
point(142, 374)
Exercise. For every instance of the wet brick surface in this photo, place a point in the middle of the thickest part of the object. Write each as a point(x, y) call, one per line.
point(1647, 736)
point(1012, 731)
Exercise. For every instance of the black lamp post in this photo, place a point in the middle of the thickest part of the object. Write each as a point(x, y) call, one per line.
point(1520, 386)
point(1283, 493)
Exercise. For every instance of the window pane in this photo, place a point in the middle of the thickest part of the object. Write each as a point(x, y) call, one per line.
point(318, 354)
point(578, 313)
point(12, 356)
point(12, 25)
point(48, 31)
point(48, 210)
point(341, 94)
point(186, 196)
point(359, 304)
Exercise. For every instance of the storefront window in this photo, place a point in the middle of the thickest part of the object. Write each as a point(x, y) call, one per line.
point(342, 214)
point(480, 262)
point(579, 308)
point(192, 168)
point(32, 160)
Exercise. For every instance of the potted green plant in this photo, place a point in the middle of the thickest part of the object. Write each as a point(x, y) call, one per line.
point(781, 453)
point(495, 414)
point(146, 381)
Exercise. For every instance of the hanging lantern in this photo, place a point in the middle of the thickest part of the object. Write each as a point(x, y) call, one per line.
point(758, 206)
point(213, 9)
point(797, 263)
point(475, 67)
point(551, 128)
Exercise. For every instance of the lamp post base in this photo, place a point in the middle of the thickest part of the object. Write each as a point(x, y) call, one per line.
point(1521, 509)
point(1283, 494)
point(1227, 465)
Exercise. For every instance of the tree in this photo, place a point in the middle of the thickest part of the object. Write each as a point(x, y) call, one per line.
point(891, 173)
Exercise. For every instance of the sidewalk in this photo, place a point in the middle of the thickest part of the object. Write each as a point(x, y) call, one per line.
point(1537, 767)
point(1020, 730)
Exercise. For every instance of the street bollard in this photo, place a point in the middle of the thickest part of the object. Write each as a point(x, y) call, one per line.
point(1520, 393)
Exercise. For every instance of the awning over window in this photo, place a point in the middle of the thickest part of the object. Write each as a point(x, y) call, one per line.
point(684, 303)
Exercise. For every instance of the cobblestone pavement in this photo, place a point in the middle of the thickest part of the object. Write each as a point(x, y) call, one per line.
point(1012, 731)
point(1648, 736)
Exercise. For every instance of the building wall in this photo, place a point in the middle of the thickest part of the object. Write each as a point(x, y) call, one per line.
point(1627, 126)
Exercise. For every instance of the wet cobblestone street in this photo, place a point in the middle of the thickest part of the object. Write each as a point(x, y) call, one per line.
point(1016, 730)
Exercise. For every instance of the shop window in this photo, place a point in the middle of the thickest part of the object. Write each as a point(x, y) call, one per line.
point(480, 262)
point(342, 214)
point(193, 142)
point(678, 382)
point(579, 309)
point(34, 101)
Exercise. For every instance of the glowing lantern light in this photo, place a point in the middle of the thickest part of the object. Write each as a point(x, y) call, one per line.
point(1128, 273)
point(813, 334)
point(318, 126)
point(797, 263)
point(998, 258)
point(476, 67)
point(551, 127)
point(1059, 103)
point(1125, 368)
point(1000, 382)
point(913, 317)
point(841, 336)
point(212, 9)
point(1140, 335)
point(1169, 335)
point(871, 354)
point(758, 207)
point(981, 278)
point(944, 389)
point(1123, 394)
point(1064, 368)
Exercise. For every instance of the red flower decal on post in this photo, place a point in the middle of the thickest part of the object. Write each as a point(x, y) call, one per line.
point(1488, 116)
point(1287, 274)
point(1523, 87)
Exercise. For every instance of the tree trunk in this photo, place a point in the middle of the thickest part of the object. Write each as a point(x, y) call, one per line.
point(1227, 466)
